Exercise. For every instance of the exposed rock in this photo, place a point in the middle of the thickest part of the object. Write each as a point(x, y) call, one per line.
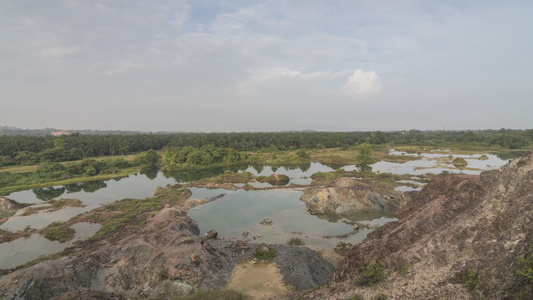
point(263, 247)
point(342, 248)
point(345, 196)
point(196, 259)
point(162, 259)
point(211, 234)
point(266, 222)
point(274, 179)
point(456, 224)
point(7, 207)
point(301, 267)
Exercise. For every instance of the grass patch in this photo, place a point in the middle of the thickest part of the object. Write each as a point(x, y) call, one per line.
point(55, 182)
point(228, 177)
point(129, 209)
point(58, 231)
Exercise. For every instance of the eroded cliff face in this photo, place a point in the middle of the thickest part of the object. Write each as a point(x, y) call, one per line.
point(160, 256)
point(345, 196)
point(455, 225)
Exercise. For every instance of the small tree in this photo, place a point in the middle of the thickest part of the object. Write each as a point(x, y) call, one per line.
point(302, 153)
point(364, 157)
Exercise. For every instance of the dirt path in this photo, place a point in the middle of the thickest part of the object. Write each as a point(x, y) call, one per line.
point(259, 281)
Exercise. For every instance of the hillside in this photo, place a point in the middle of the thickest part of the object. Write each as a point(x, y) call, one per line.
point(461, 237)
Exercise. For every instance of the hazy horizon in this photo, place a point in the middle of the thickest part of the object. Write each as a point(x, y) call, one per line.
point(266, 66)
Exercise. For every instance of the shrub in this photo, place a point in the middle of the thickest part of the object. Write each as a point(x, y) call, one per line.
point(371, 274)
point(264, 255)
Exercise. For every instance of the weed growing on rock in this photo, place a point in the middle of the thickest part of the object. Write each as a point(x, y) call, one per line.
point(402, 270)
point(356, 297)
point(471, 280)
point(521, 284)
point(371, 274)
point(163, 275)
point(381, 296)
point(290, 288)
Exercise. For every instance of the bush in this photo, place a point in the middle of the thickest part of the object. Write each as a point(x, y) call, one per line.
point(371, 274)
point(295, 242)
point(264, 255)
point(459, 162)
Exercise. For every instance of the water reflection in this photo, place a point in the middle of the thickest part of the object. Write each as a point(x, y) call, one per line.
point(50, 193)
point(150, 172)
point(189, 176)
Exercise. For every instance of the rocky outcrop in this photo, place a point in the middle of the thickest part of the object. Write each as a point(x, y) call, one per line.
point(344, 196)
point(7, 207)
point(455, 227)
point(161, 259)
point(274, 179)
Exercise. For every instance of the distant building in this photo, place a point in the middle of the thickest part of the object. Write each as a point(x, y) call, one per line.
point(56, 133)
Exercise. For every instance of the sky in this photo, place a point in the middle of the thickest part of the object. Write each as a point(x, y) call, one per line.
point(223, 66)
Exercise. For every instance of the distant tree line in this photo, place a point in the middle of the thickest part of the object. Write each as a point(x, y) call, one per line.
point(28, 150)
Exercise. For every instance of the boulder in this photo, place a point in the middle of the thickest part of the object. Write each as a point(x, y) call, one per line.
point(345, 196)
point(211, 234)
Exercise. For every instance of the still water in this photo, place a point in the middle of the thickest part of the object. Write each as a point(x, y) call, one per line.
point(231, 215)
point(242, 211)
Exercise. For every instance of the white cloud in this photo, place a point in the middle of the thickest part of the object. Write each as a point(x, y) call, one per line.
point(362, 83)
point(286, 86)
point(59, 51)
